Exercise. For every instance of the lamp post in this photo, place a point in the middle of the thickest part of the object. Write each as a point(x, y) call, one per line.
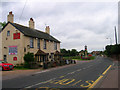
point(115, 35)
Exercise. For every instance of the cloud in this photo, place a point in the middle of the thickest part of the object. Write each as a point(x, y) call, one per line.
point(75, 24)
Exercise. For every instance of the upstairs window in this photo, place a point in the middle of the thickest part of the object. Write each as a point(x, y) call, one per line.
point(38, 43)
point(31, 42)
point(44, 44)
point(55, 45)
point(8, 33)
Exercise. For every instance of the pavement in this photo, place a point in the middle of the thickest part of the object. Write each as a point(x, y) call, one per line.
point(111, 79)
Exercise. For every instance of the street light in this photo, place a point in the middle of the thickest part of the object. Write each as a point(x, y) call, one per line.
point(110, 40)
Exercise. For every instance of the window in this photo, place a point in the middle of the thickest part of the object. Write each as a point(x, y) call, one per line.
point(12, 50)
point(44, 44)
point(55, 45)
point(8, 33)
point(5, 57)
point(38, 43)
point(31, 42)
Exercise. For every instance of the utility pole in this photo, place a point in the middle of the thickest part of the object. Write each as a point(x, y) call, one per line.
point(115, 35)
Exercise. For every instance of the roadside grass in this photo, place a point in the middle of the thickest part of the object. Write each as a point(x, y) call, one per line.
point(20, 68)
point(78, 58)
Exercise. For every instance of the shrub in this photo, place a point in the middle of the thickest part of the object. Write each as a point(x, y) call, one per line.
point(29, 57)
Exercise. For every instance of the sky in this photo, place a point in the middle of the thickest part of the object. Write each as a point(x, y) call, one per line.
point(74, 23)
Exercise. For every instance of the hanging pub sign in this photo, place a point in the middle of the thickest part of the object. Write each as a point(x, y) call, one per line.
point(16, 35)
point(12, 50)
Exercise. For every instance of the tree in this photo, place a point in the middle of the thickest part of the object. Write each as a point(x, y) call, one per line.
point(73, 52)
point(112, 50)
point(29, 57)
point(63, 51)
point(2, 24)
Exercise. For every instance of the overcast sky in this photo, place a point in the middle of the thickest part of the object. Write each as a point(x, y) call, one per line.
point(75, 24)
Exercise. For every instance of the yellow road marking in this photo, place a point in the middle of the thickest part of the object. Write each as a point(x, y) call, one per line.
point(99, 78)
point(70, 82)
point(89, 84)
point(94, 83)
point(61, 76)
point(61, 81)
point(107, 69)
point(76, 82)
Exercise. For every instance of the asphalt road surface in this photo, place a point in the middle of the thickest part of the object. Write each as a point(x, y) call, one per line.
point(80, 75)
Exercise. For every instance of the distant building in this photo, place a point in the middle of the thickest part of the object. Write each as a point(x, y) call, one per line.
point(96, 52)
point(16, 40)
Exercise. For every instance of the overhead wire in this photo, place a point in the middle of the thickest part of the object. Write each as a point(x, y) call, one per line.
point(22, 11)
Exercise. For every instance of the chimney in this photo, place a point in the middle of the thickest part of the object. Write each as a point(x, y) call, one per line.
point(47, 30)
point(10, 17)
point(31, 23)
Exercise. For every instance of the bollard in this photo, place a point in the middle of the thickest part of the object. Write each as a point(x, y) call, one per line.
point(45, 66)
point(74, 62)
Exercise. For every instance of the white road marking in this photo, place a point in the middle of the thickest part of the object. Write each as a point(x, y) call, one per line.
point(42, 71)
point(79, 70)
point(71, 72)
point(40, 83)
point(84, 68)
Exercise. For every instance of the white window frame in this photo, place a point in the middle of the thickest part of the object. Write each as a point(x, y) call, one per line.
point(55, 45)
point(31, 42)
point(38, 43)
point(8, 34)
point(45, 44)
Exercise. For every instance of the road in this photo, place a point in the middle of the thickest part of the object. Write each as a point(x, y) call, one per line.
point(80, 75)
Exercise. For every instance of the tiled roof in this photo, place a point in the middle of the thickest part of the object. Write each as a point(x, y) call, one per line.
point(33, 32)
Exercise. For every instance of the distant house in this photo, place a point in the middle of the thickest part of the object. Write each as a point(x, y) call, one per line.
point(17, 40)
point(96, 52)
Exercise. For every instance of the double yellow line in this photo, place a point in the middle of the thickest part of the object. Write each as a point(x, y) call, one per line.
point(99, 78)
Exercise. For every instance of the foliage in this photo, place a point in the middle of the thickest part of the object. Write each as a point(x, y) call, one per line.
point(112, 50)
point(2, 24)
point(29, 57)
point(72, 52)
point(78, 58)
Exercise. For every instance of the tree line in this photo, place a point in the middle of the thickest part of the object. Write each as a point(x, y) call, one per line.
point(112, 50)
point(72, 52)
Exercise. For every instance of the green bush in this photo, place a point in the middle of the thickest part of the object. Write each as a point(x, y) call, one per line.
point(29, 57)
point(112, 50)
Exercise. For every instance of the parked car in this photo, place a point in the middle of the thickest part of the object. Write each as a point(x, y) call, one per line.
point(6, 66)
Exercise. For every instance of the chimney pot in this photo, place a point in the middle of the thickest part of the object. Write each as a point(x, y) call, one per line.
point(10, 17)
point(10, 12)
point(31, 23)
point(47, 29)
point(31, 19)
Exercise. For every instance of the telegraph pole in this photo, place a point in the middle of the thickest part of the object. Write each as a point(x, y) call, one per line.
point(115, 35)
